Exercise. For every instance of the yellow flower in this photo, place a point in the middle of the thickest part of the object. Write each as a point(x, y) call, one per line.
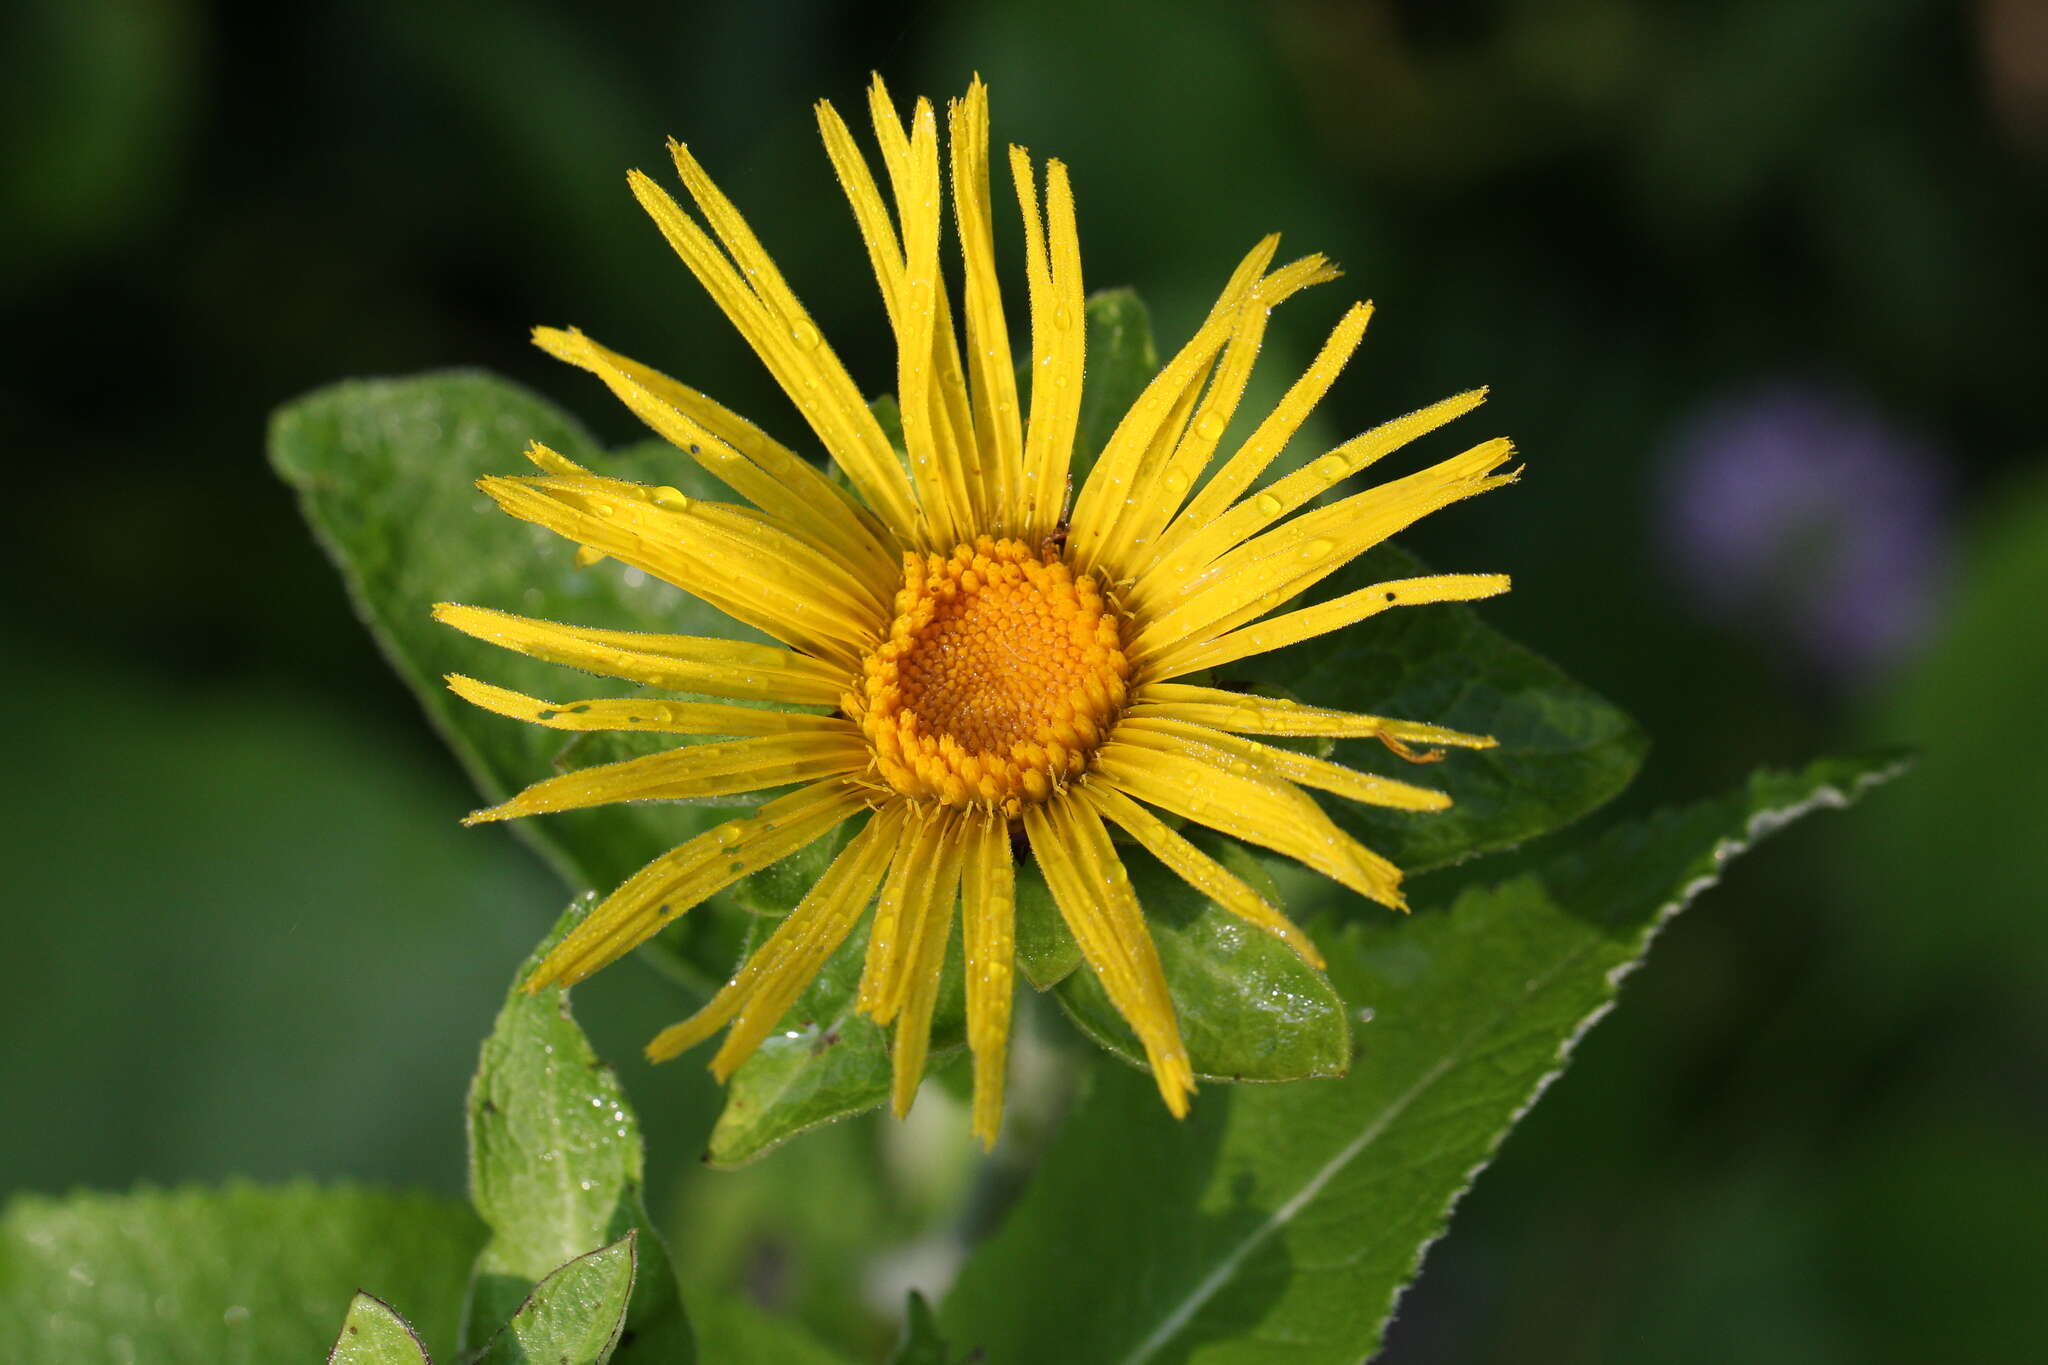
point(964, 655)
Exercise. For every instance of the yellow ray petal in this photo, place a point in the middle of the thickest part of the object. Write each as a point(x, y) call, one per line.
point(997, 432)
point(1166, 582)
point(708, 526)
point(918, 984)
point(1244, 800)
point(681, 663)
point(1109, 486)
point(733, 450)
point(1244, 713)
point(1160, 487)
point(777, 972)
point(650, 714)
point(1059, 340)
point(1296, 555)
point(691, 772)
point(745, 568)
point(900, 915)
point(1198, 869)
point(789, 344)
point(1305, 769)
point(935, 448)
point(1273, 434)
point(943, 421)
point(1345, 610)
point(1093, 892)
point(686, 874)
point(988, 905)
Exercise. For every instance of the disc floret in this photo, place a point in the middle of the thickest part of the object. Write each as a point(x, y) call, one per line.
point(1000, 674)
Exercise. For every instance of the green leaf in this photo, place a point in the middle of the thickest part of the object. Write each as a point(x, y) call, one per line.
point(921, 1343)
point(1046, 950)
point(1249, 1008)
point(825, 1061)
point(555, 1168)
point(1121, 361)
point(573, 1317)
point(731, 1328)
point(1563, 749)
point(373, 1334)
point(239, 1275)
point(1277, 1225)
point(386, 472)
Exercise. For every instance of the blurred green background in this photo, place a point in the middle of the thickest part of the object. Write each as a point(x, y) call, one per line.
point(1758, 288)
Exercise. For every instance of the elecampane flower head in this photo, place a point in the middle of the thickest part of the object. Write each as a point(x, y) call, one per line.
point(999, 653)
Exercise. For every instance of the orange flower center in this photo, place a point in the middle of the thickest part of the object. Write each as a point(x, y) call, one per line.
point(1001, 673)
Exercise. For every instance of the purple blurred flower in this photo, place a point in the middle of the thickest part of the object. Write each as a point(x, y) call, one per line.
point(1803, 512)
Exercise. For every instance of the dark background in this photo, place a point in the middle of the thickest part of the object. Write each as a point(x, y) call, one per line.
point(1758, 287)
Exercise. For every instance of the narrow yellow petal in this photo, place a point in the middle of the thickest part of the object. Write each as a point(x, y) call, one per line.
point(899, 917)
point(1246, 801)
point(1198, 869)
point(919, 985)
point(1059, 340)
point(1273, 434)
point(1162, 485)
point(668, 518)
point(1245, 713)
point(998, 435)
point(870, 210)
point(692, 772)
point(649, 714)
point(725, 556)
point(765, 472)
point(1304, 769)
point(937, 467)
point(1296, 555)
point(686, 874)
point(1307, 623)
point(1105, 495)
point(1093, 892)
point(681, 663)
point(1165, 583)
point(943, 421)
point(780, 968)
point(790, 346)
point(988, 905)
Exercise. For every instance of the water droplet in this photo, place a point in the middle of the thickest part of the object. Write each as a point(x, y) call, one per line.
point(1316, 550)
point(803, 334)
point(1209, 427)
point(1332, 467)
point(726, 834)
point(1175, 481)
point(587, 556)
point(1062, 318)
point(671, 498)
point(603, 509)
point(1267, 504)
